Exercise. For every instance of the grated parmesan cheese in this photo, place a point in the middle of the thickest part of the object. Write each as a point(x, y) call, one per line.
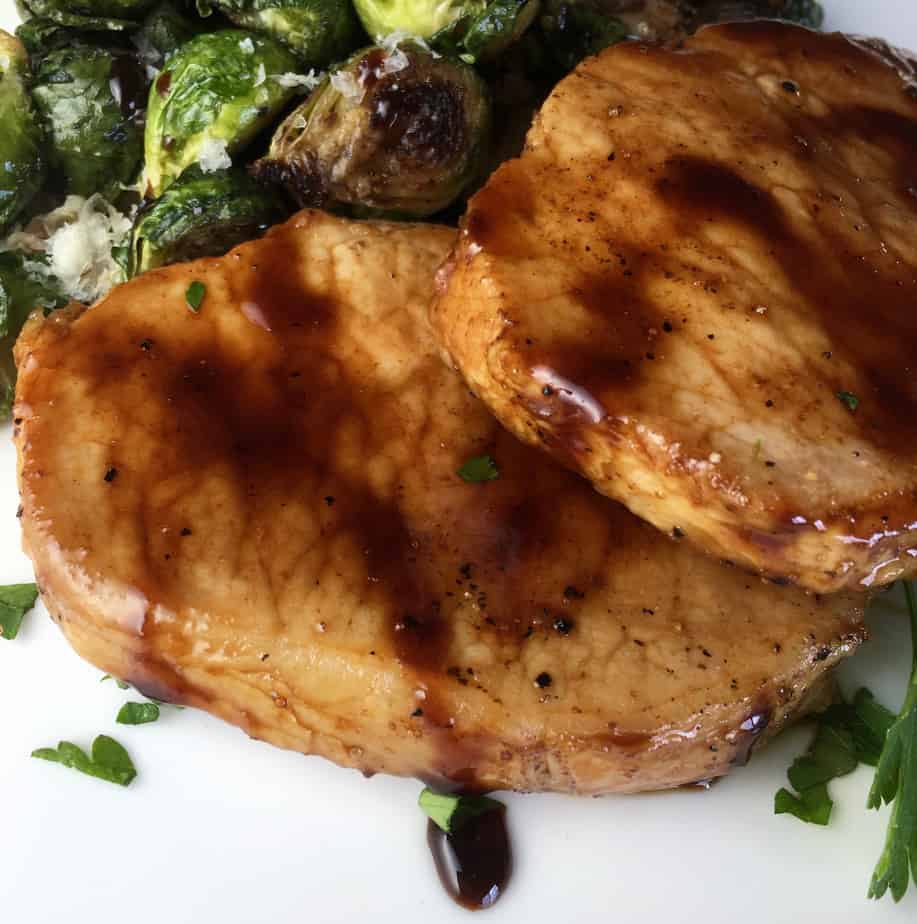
point(347, 85)
point(78, 237)
point(213, 155)
point(307, 81)
point(247, 45)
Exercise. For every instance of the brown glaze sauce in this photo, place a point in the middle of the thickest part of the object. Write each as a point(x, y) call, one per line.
point(475, 863)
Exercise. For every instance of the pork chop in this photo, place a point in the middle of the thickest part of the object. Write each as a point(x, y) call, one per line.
point(255, 509)
point(698, 288)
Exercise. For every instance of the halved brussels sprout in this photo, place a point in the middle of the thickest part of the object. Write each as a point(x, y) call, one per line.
point(317, 31)
point(493, 31)
point(398, 133)
point(420, 18)
point(21, 160)
point(202, 215)
point(90, 99)
point(214, 95)
point(25, 284)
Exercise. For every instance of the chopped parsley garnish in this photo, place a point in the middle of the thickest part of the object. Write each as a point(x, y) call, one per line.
point(15, 601)
point(450, 813)
point(480, 468)
point(896, 783)
point(850, 399)
point(195, 295)
point(138, 713)
point(121, 684)
point(109, 760)
point(848, 734)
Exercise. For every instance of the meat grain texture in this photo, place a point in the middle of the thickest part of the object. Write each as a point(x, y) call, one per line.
point(255, 510)
point(698, 288)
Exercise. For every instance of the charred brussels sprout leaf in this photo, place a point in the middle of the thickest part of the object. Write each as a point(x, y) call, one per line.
point(399, 133)
point(202, 215)
point(421, 18)
point(25, 284)
point(216, 92)
point(21, 161)
point(317, 31)
point(90, 100)
point(576, 29)
point(162, 32)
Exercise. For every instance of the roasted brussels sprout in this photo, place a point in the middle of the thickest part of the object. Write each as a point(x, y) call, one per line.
point(216, 92)
point(21, 160)
point(805, 12)
point(91, 101)
point(398, 133)
point(25, 284)
point(162, 32)
point(575, 29)
point(317, 31)
point(202, 215)
point(79, 17)
point(420, 18)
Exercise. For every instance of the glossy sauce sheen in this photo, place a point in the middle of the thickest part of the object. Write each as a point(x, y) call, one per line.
point(763, 260)
point(256, 509)
point(474, 864)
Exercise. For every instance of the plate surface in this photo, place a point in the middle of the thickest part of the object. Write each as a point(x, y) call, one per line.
point(218, 828)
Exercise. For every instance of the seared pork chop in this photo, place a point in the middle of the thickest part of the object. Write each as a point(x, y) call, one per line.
point(256, 510)
point(698, 287)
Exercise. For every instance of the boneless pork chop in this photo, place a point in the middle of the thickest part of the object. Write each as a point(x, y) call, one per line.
point(255, 509)
point(698, 287)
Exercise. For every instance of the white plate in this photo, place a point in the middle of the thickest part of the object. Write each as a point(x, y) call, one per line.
point(218, 828)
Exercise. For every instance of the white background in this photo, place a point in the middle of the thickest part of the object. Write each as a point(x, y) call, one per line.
point(218, 828)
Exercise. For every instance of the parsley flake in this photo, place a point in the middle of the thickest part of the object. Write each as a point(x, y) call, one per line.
point(451, 812)
point(138, 713)
point(195, 295)
point(109, 760)
point(896, 782)
point(480, 468)
point(15, 601)
point(849, 399)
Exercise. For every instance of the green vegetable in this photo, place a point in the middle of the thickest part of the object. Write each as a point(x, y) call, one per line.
point(195, 295)
point(216, 93)
point(90, 99)
point(501, 24)
point(805, 12)
point(15, 601)
point(137, 714)
point(450, 813)
point(202, 215)
point(575, 29)
point(849, 399)
point(317, 31)
point(22, 164)
point(76, 17)
point(162, 32)
point(895, 783)
point(26, 283)
point(121, 684)
point(397, 132)
point(420, 18)
point(848, 734)
point(109, 761)
point(480, 468)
